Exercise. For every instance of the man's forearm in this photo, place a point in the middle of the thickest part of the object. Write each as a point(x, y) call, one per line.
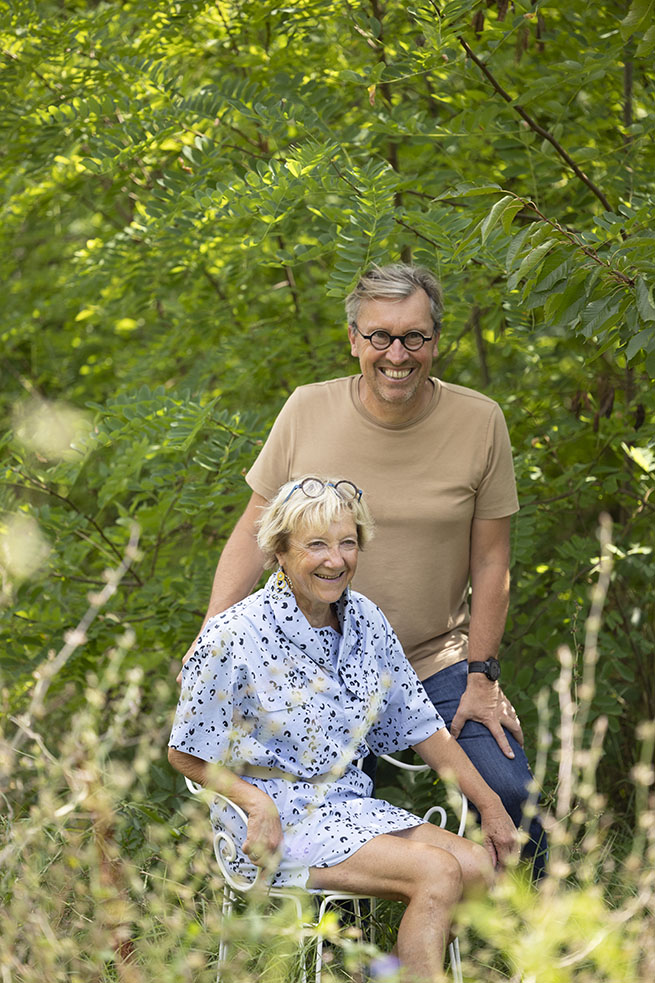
point(489, 606)
point(241, 563)
point(483, 700)
point(489, 587)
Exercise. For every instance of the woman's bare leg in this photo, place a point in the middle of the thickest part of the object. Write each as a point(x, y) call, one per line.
point(477, 868)
point(422, 867)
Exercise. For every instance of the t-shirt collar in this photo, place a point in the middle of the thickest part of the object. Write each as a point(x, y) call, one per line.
point(355, 382)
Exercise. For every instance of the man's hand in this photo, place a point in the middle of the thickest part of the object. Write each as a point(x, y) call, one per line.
point(486, 703)
point(264, 836)
point(499, 836)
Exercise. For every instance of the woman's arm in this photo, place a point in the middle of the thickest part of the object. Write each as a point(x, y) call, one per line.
point(443, 753)
point(264, 835)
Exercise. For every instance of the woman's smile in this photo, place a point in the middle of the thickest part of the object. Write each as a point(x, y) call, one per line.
point(320, 563)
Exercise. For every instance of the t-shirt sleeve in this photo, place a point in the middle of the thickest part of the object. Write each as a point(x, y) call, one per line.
point(496, 494)
point(203, 724)
point(407, 716)
point(273, 464)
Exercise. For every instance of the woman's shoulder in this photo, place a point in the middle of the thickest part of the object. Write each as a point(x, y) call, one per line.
point(244, 617)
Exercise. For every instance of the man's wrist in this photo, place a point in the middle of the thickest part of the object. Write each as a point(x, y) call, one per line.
point(489, 668)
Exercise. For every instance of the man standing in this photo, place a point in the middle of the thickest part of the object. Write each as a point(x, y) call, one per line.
point(435, 462)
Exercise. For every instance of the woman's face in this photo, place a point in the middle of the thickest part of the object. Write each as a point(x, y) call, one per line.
point(321, 563)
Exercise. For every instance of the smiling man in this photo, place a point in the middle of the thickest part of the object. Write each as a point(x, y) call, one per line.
point(434, 460)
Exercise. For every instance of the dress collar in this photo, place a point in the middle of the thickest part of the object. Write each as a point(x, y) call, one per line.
point(299, 633)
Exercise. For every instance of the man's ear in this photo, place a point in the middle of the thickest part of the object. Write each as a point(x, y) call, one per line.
point(352, 337)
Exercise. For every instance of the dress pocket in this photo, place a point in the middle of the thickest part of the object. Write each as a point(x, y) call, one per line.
point(284, 695)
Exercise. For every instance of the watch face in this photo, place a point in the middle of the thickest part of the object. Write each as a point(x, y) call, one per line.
point(493, 669)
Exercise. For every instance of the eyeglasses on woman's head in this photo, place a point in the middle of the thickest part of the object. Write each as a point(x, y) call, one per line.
point(312, 488)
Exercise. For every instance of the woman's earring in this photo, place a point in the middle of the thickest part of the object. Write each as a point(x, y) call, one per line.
point(282, 582)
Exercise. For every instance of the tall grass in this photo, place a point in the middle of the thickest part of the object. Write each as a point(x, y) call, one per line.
point(104, 880)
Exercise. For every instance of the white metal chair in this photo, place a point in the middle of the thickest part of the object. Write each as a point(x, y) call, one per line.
point(225, 851)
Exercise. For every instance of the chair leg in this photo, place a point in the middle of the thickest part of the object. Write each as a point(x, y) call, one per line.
point(361, 918)
point(318, 968)
point(227, 904)
point(455, 961)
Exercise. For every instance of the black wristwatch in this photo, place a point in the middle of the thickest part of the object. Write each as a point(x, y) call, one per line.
point(491, 668)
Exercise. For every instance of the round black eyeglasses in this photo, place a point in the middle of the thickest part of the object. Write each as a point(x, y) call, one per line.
point(413, 341)
point(312, 488)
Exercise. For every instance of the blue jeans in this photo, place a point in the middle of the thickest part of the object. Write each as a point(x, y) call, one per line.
point(509, 777)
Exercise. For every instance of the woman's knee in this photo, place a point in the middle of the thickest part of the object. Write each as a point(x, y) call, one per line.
point(438, 876)
point(477, 868)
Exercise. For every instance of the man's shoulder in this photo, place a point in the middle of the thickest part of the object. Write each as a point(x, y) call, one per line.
point(326, 388)
point(464, 394)
point(319, 397)
point(459, 402)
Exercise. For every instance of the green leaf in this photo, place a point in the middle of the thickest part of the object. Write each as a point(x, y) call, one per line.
point(643, 456)
point(646, 45)
point(508, 215)
point(640, 11)
point(529, 262)
point(644, 301)
point(496, 214)
point(515, 246)
point(467, 238)
point(643, 341)
point(597, 314)
point(468, 190)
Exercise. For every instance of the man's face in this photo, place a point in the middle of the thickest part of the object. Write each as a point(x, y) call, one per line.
point(395, 376)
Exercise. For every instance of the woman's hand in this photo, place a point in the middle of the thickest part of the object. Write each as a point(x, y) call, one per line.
point(264, 836)
point(499, 835)
point(264, 832)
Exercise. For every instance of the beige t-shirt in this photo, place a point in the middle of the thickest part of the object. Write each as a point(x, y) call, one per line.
point(424, 482)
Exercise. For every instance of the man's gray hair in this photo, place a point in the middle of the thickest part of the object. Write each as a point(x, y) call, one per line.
point(395, 282)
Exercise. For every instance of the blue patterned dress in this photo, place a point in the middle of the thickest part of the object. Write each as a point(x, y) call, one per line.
point(265, 688)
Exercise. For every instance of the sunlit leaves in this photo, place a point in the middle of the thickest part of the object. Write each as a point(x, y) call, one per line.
point(638, 22)
point(190, 189)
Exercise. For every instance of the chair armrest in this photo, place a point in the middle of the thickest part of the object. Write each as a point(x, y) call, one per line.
point(225, 848)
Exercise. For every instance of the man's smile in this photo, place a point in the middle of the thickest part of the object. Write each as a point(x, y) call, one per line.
point(395, 373)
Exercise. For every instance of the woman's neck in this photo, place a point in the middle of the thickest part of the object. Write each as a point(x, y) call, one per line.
point(319, 615)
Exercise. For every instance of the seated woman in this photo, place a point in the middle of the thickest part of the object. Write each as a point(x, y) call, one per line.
point(287, 689)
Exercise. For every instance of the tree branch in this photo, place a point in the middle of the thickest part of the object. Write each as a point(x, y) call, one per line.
point(49, 669)
point(532, 123)
point(41, 486)
point(575, 240)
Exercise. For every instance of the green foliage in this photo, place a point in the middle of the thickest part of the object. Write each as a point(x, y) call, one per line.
point(189, 189)
point(105, 880)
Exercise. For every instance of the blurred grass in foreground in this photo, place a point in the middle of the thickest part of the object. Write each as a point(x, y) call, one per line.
point(84, 899)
